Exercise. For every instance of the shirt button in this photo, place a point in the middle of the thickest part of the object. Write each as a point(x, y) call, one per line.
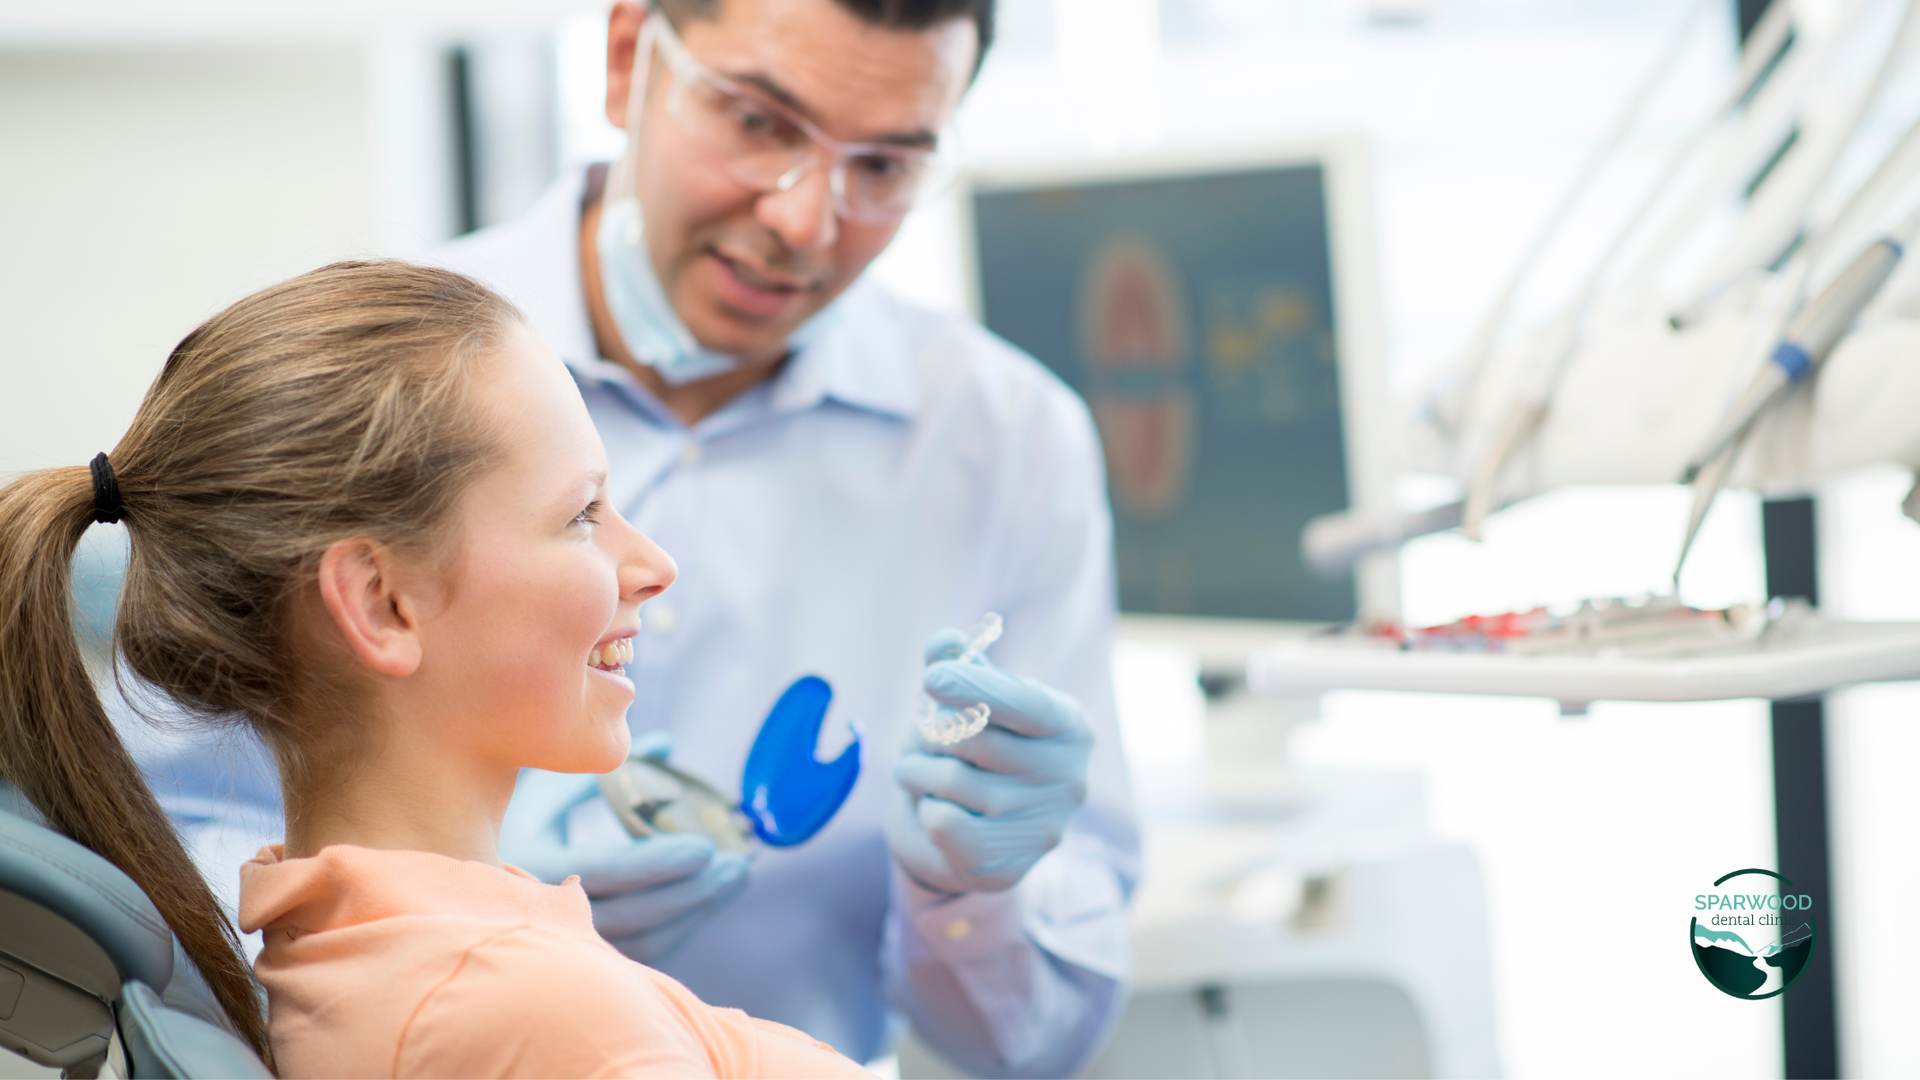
point(659, 615)
point(690, 454)
point(959, 928)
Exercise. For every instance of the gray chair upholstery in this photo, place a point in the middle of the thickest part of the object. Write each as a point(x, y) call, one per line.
point(165, 1042)
point(76, 936)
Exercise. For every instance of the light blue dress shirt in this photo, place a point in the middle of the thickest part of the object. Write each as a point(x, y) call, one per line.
point(907, 471)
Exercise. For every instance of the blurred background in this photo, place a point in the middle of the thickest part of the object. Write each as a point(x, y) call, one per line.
point(158, 161)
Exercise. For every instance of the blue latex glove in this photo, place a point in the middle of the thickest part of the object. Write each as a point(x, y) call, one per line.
point(976, 816)
point(648, 895)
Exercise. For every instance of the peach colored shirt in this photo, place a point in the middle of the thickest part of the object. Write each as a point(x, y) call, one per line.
point(405, 963)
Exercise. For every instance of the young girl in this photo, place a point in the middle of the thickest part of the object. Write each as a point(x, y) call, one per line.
point(367, 517)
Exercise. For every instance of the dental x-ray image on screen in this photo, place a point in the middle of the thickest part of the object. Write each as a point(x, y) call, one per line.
point(1195, 314)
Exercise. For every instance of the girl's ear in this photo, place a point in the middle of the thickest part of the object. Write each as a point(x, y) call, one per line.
point(359, 586)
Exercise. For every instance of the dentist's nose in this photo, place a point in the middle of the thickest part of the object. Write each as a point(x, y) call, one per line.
point(802, 216)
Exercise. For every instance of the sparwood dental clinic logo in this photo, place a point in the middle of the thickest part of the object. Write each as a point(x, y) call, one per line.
point(1752, 934)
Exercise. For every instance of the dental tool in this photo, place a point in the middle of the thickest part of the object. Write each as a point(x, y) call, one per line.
point(787, 793)
point(651, 798)
point(1787, 132)
point(1804, 345)
point(1705, 487)
point(1526, 413)
point(949, 726)
point(1773, 226)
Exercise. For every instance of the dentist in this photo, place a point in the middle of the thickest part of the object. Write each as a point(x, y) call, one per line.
point(840, 475)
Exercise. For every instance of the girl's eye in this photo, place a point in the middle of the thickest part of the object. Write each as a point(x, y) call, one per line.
point(589, 516)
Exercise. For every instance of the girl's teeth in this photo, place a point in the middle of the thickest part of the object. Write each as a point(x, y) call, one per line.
point(613, 654)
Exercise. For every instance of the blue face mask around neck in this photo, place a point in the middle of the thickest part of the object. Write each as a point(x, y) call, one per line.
point(648, 325)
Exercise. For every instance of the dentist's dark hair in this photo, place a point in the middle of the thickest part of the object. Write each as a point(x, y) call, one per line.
point(888, 14)
point(332, 406)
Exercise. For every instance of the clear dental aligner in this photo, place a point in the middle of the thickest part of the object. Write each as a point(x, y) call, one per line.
point(950, 726)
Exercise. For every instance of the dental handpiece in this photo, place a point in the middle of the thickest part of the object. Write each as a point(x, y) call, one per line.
point(951, 726)
point(1804, 344)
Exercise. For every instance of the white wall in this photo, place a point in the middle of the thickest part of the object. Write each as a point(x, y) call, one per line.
point(142, 190)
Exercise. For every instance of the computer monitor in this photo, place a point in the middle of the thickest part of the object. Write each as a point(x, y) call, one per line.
point(1220, 318)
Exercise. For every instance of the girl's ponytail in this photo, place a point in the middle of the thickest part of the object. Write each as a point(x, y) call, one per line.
point(331, 406)
point(59, 747)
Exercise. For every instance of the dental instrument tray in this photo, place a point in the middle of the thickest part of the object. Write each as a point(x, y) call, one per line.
point(1649, 650)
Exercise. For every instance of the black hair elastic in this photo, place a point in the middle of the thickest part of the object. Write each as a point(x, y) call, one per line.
point(106, 492)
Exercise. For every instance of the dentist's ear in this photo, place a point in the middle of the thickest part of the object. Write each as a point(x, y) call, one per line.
point(623, 40)
point(377, 620)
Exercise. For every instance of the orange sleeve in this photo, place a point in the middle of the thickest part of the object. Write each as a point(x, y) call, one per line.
point(792, 1053)
point(531, 1003)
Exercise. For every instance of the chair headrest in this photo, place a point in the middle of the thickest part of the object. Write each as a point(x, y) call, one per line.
point(74, 882)
point(165, 1042)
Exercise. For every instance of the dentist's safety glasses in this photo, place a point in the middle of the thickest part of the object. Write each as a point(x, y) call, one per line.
point(790, 793)
point(769, 147)
point(946, 726)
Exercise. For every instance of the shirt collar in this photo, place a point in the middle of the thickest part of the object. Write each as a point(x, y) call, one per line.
point(831, 370)
point(345, 886)
point(861, 362)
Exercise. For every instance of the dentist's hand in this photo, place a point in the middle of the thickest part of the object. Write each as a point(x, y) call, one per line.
point(976, 816)
point(648, 895)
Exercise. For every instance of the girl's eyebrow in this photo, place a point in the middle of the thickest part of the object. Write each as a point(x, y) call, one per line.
point(591, 481)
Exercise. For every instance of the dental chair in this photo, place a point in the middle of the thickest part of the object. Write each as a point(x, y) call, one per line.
point(91, 977)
